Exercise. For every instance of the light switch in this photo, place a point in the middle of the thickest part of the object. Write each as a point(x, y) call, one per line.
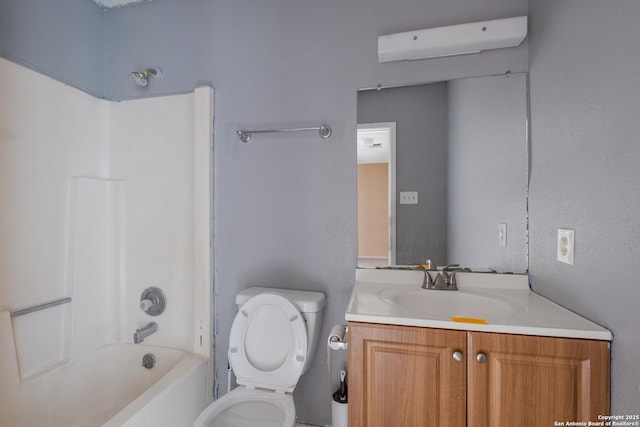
point(408, 197)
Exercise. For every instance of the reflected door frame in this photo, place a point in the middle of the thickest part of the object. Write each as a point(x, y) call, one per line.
point(390, 129)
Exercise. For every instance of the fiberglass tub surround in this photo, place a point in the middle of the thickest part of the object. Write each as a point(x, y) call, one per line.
point(120, 204)
point(110, 387)
point(485, 302)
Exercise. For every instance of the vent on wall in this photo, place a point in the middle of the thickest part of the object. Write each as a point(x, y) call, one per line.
point(452, 40)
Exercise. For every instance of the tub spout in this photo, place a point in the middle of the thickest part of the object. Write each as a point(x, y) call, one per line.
point(140, 334)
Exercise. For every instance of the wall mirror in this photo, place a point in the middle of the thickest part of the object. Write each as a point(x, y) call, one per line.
point(443, 174)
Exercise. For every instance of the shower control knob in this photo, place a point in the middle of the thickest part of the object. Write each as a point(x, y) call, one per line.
point(457, 356)
point(481, 357)
point(153, 301)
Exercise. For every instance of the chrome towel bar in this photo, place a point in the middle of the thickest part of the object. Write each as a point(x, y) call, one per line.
point(39, 307)
point(324, 131)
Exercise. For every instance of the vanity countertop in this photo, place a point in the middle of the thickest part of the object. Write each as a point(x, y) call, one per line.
point(485, 302)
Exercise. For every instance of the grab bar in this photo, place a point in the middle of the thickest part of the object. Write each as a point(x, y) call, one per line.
point(39, 307)
point(324, 131)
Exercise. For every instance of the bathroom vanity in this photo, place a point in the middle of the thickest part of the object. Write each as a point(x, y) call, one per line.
point(492, 353)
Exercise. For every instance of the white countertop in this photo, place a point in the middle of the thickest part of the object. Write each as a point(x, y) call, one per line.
point(485, 302)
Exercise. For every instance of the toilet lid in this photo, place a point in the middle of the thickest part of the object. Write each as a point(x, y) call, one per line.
point(268, 343)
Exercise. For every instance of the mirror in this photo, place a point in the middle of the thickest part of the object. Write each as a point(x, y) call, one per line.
point(443, 174)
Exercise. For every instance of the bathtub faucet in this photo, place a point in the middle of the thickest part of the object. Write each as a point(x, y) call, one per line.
point(140, 334)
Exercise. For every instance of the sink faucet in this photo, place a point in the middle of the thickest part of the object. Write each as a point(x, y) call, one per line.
point(140, 334)
point(445, 280)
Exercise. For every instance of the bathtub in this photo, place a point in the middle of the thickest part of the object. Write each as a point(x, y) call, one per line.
point(109, 387)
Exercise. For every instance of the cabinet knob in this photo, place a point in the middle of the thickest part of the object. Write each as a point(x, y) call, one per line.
point(457, 356)
point(481, 357)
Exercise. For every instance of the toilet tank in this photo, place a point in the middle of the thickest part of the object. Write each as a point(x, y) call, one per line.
point(310, 304)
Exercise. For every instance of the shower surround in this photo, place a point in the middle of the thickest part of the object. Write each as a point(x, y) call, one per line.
point(100, 200)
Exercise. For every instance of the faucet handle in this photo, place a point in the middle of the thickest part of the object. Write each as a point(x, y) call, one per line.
point(450, 267)
point(452, 278)
point(153, 301)
point(427, 283)
point(145, 304)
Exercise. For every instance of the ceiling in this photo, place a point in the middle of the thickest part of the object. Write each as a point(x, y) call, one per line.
point(373, 145)
point(115, 3)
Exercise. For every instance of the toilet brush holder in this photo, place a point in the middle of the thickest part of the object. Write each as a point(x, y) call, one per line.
point(339, 414)
point(339, 405)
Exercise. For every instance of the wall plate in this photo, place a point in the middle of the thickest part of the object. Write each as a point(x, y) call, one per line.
point(566, 245)
point(502, 234)
point(408, 197)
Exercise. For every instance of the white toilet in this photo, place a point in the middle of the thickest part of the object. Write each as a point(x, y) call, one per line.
point(272, 342)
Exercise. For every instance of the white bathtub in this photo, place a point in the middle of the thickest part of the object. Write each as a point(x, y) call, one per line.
point(109, 387)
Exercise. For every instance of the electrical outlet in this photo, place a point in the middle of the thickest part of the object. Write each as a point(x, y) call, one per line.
point(502, 234)
point(566, 245)
point(408, 197)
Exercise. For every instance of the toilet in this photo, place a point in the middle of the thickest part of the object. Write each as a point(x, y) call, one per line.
point(271, 344)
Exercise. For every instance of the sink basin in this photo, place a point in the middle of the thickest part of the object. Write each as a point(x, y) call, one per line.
point(447, 304)
point(504, 301)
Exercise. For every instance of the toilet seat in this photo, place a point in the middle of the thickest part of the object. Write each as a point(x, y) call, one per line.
point(268, 343)
point(267, 351)
point(249, 408)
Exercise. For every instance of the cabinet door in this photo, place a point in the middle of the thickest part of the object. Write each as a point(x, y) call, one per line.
point(534, 381)
point(405, 376)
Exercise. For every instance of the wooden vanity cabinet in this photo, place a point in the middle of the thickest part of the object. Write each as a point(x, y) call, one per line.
point(412, 376)
point(405, 376)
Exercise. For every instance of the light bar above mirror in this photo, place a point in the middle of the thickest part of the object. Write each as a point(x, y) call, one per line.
point(452, 40)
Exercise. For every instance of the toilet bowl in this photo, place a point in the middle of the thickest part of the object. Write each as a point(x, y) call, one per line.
point(271, 344)
point(250, 407)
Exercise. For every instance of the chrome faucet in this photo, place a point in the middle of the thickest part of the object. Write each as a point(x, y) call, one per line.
point(140, 334)
point(445, 280)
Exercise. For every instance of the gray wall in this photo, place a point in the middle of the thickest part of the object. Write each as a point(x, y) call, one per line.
point(585, 169)
point(285, 209)
point(488, 171)
point(63, 39)
point(285, 205)
point(420, 113)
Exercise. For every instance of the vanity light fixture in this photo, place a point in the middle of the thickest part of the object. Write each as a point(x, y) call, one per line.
point(452, 40)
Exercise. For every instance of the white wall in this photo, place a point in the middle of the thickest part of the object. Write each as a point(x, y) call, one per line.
point(48, 133)
point(152, 151)
point(98, 202)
